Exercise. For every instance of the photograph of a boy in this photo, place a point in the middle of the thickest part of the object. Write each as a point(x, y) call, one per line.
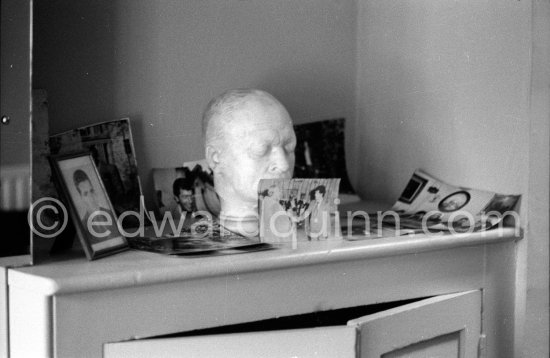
point(98, 220)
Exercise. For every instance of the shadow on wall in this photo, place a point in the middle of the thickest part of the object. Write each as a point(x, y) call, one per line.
point(79, 82)
point(79, 61)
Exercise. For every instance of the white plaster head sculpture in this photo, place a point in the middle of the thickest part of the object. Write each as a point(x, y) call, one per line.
point(248, 136)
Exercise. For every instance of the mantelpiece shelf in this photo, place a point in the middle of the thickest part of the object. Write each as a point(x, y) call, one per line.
point(136, 268)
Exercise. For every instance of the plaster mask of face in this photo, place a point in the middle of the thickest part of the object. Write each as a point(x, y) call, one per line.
point(259, 144)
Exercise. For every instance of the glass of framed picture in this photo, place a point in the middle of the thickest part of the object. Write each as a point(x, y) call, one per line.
point(91, 211)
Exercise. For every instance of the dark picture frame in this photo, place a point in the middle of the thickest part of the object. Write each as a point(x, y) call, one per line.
point(83, 192)
point(320, 152)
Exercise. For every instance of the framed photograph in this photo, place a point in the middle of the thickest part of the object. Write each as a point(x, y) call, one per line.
point(91, 211)
point(112, 147)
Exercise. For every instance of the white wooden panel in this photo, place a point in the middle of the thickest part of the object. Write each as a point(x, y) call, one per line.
point(326, 342)
point(139, 312)
point(30, 321)
point(392, 330)
point(442, 346)
point(3, 312)
point(503, 301)
point(139, 268)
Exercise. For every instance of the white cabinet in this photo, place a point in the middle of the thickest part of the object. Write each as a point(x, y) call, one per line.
point(79, 308)
point(442, 326)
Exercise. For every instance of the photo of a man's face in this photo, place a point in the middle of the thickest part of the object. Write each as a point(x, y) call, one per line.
point(185, 189)
point(185, 200)
point(86, 190)
point(91, 209)
point(184, 193)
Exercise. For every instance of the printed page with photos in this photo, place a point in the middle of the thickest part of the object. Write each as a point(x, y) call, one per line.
point(298, 209)
point(428, 205)
point(202, 237)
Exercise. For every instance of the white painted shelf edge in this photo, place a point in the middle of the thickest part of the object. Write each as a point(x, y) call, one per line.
point(138, 268)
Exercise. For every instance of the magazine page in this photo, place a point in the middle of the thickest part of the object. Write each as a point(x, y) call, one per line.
point(203, 236)
point(428, 205)
point(447, 207)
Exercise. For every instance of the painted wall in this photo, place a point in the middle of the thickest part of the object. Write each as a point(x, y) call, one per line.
point(444, 86)
point(537, 335)
point(159, 62)
point(462, 90)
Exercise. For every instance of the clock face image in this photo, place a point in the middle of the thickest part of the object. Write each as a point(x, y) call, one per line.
point(454, 201)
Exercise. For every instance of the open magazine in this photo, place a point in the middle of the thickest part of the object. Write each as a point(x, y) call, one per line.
point(428, 205)
point(202, 237)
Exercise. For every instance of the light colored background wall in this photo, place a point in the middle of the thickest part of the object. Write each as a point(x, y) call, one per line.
point(160, 62)
point(461, 89)
point(443, 85)
point(539, 185)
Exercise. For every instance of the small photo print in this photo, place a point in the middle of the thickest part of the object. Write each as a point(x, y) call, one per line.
point(185, 189)
point(320, 152)
point(287, 206)
point(502, 203)
point(91, 210)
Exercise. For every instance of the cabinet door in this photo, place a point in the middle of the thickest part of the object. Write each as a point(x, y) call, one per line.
point(325, 342)
point(441, 326)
